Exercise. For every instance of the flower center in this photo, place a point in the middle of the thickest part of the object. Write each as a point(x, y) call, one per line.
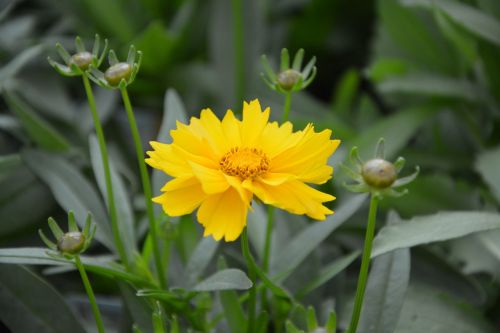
point(244, 162)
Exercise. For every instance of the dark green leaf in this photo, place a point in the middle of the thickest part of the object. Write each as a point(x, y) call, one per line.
point(226, 279)
point(199, 260)
point(432, 228)
point(474, 20)
point(122, 201)
point(487, 165)
point(42, 309)
point(385, 291)
point(427, 310)
point(302, 245)
point(71, 190)
point(327, 273)
point(38, 129)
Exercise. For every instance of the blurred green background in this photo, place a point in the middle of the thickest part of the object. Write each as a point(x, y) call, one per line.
point(423, 74)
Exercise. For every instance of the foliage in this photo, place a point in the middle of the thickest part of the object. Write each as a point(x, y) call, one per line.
point(427, 80)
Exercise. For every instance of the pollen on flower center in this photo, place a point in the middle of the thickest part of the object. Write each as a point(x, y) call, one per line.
point(244, 162)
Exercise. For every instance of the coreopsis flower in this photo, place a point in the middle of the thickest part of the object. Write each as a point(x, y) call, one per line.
point(219, 166)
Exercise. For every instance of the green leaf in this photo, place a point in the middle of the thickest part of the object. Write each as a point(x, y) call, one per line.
point(11, 69)
point(414, 37)
point(226, 279)
point(137, 307)
point(156, 43)
point(233, 312)
point(385, 292)
point(487, 165)
point(432, 228)
point(472, 19)
point(20, 189)
point(71, 190)
point(309, 239)
point(110, 17)
point(199, 260)
point(122, 201)
point(38, 256)
point(327, 273)
point(42, 309)
point(427, 310)
point(346, 92)
point(434, 86)
point(396, 130)
point(38, 129)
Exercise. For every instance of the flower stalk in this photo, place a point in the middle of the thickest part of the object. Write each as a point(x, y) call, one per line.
point(252, 274)
point(146, 184)
point(365, 264)
point(90, 294)
point(107, 172)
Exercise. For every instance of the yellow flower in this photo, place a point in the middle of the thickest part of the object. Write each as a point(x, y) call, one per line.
point(218, 166)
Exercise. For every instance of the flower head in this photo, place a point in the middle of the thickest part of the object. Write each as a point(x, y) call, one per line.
point(72, 242)
point(292, 78)
point(78, 63)
point(119, 74)
point(218, 166)
point(377, 175)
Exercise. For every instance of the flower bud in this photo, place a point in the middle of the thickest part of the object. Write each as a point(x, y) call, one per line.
point(82, 60)
point(71, 242)
point(118, 72)
point(288, 78)
point(379, 173)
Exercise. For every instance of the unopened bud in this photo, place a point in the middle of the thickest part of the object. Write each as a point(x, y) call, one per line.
point(288, 78)
point(118, 72)
point(82, 60)
point(71, 242)
point(379, 173)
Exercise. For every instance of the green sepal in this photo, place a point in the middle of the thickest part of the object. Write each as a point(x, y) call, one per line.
point(56, 231)
point(47, 242)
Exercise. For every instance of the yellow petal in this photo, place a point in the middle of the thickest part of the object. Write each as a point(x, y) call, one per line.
point(276, 139)
point(295, 197)
point(310, 153)
point(212, 180)
point(182, 199)
point(212, 131)
point(223, 215)
point(164, 159)
point(231, 127)
point(254, 122)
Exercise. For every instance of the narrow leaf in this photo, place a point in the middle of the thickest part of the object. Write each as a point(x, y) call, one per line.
point(433, 228)
point(226, 279)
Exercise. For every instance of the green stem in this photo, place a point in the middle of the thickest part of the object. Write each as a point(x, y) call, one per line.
point(90, 294)
point(365, 264)
point(267, 244)
point(146, 185)
point(288, 103)
point(239, 50)
point(267, 250)
point(252, 298)
point(107, 172)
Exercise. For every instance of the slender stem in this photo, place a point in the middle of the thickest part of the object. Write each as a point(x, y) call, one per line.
point(146, 185)
point(107, 172)
point(90, 294)
point(288, 103)
point(365, 264)
point(267, 250)
point(267, 244)
point(239, 49)
point(157, 319)
point(252, 298)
